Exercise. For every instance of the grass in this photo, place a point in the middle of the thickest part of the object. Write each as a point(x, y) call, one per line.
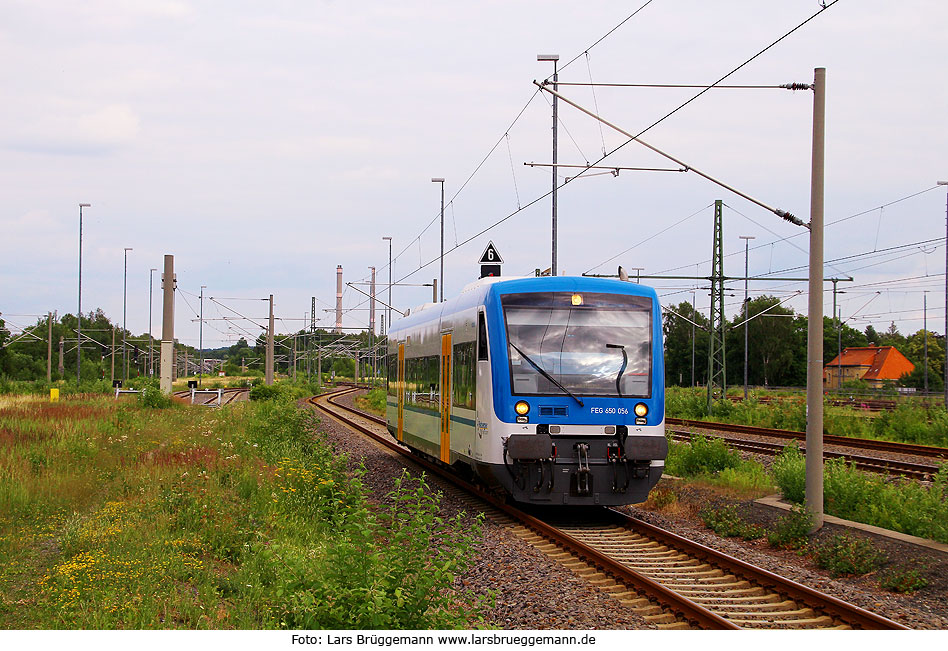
point(910, 422)
point(712, 462)
point(902, 505)
point(373, 401)
point(126, 516)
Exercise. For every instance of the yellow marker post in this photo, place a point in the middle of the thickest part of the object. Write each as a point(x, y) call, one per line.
point(54, 395)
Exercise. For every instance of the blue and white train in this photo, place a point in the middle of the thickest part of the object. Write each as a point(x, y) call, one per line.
point(550, 388)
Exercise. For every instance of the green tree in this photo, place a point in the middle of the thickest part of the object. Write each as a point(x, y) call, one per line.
point(776, 347)
point(680, 335)
point(914, 350)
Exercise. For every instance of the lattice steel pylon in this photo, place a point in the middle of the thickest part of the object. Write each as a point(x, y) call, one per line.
point(717, 377)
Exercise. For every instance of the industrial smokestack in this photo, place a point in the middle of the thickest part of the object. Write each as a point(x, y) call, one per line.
point(372, 303)
point(339, 299)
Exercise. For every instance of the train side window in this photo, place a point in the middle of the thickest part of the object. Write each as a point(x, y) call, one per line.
point(481, 337)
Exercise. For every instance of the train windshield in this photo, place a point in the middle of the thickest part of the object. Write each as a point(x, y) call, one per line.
point(593, 344)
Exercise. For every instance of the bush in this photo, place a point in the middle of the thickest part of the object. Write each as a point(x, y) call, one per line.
point(701, 456)
point(846, 555)
point(154, 398)
point(902, 579)
point(792, 530)
point(789, 470)
point(913, 424)
point(726, 522)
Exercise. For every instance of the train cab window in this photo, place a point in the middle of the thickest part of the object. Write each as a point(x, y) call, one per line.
point(481, 338)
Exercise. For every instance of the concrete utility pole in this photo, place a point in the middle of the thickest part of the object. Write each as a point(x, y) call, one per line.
point(388, 309)
point(747, 239)
point(441, 181)
point(338, 299)
point(125, 317)
point(112, 379)
point(372, 322)
point(554, 58)
point(49, 348)
point(61, 369)
point(946, 297)
point(201, 338)
point(925, 334)
point(167, 362)
point(151, 339)
point(269, 364)
point(79, 311)
point(434, 290)
point(814, 373)
point(294, 358)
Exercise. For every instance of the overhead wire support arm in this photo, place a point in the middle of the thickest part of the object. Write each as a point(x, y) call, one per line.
point(762, 312)
point(791, 86)
point(376, 299)
point(612, 168)
point(780, 213)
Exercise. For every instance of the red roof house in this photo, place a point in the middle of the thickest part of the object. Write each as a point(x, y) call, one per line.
point(877, 365)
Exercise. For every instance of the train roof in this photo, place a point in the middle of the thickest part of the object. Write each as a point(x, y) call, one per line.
point(475, 293)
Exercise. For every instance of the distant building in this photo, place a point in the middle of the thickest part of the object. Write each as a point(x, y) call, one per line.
point(877, 365)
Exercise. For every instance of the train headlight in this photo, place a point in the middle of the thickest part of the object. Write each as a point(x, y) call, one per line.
point(577, 299)
point(522, 408)
point(641, 409)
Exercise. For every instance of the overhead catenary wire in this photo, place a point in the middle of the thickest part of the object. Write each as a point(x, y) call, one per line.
point(823, 8)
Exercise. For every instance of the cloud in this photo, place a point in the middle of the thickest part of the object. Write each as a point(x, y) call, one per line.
point(98, 133)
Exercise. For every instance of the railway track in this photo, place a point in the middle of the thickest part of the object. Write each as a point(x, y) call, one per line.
point(919, 471)
point(671, 581)
point(227, 396)
point(828, 439)
point(915, 470)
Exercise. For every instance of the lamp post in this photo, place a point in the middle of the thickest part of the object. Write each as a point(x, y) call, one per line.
point(151, 340)
point(441, 279)
point(201, 338)
point(388, 312)
point(747, 239)
point(946, 297)
point(125, 317)
point(554, 58)
point(79, 311)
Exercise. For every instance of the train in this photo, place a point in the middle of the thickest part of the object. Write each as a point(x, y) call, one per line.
point(549, 389)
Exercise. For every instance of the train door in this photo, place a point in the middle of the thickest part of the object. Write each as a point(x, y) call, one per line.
point(400, 389)
point(446, 397)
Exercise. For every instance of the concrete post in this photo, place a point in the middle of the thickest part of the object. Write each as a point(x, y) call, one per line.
point(294, 358)
point(49, 347)
point(814, 377)
point(372, 321)
point(112, 380)
point(166, 361)
point(61, 368)
point(434, 290)
point(339, 299)
point(269, 364)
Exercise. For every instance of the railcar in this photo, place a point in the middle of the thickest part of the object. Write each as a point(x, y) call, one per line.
point(550, 389)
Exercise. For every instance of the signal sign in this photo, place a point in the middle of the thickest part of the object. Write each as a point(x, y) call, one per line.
point(490, 255)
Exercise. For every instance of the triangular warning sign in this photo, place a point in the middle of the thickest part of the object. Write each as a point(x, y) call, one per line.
point(490, 255)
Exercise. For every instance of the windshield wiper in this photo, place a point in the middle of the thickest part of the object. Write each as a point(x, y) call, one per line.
point(625, 362)
point(547, 375)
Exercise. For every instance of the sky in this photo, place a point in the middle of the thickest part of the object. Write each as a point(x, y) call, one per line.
point(263, 144)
